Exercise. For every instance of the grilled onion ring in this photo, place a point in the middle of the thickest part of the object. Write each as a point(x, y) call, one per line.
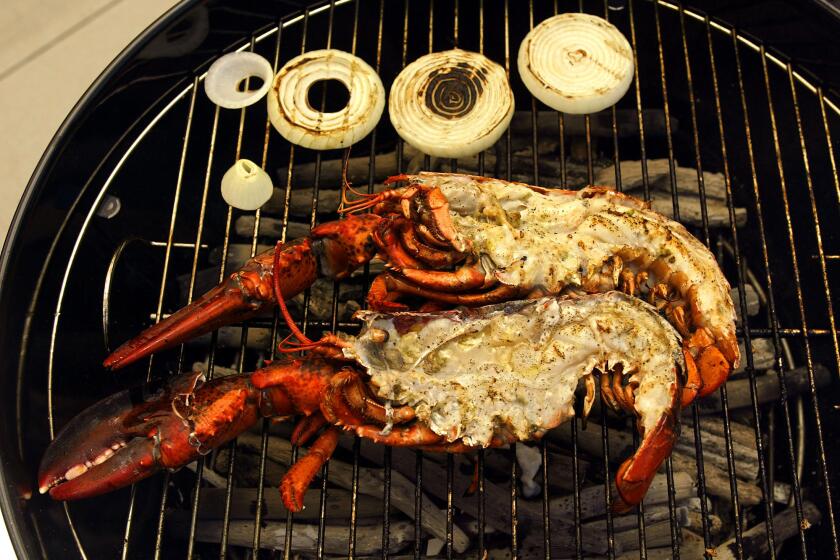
point(224, 76)
point(451, 104)
point(296, 120)
point(576, 63)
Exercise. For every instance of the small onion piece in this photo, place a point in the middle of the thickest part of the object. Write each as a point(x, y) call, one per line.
point(246, 185)
point(224, 76)
point(576, 63)
point(451, 104)
point(296, 120)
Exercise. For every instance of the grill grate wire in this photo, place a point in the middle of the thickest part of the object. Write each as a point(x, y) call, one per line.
point(802, 333)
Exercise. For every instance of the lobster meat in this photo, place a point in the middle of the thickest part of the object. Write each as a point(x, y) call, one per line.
point(459, 240)
point(446, 381)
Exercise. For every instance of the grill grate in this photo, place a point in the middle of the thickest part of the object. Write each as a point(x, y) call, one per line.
point(740, 100)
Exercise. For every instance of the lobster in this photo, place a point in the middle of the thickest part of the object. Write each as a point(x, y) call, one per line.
point(446, 381)
point(459, 240)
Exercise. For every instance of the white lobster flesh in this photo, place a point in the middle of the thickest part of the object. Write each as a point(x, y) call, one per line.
point(525, 241)
point(547, 238)
point(512, 369)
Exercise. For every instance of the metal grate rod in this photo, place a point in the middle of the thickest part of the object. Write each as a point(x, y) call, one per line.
point(480, 459)
point(832, 160)
point(167, 255)
point(704, 215)
point(765, 474)
point(765, 256)
point(799, 296)
point(573, 426)
point(255, 550)
point(805, 340)
point(672, 176)
point(244, 336)
point(514, 521)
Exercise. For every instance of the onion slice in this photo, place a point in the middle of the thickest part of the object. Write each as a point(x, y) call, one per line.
point(226, 74)
point(451, 104)
point(246, 185)
point(576, 63)
point(296, 120)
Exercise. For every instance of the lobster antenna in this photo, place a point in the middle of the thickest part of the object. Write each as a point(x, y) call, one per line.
point(278, 294)
point(365, 200)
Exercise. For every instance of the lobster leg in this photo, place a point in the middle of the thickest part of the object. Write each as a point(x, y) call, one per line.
point(693, 381)
point(358, 396)
point(348, 403)
point(589, 399)
point(425, 235)
point(466, 278)
point(307, 427)
point(607, 392)
point(618, 392)
point(431, 256)
point(434, 214)
point(411, 436)
point(335, 407)
point(300, 475)
point(381, 298)
point(387, 240)
point(387, 287)
point(429, 208)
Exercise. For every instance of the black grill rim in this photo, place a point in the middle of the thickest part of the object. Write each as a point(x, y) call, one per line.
point(6, 500)
point(10, 503)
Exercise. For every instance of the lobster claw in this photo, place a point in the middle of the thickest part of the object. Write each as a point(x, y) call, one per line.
point(133, 434)
point(241, 296)
point(333, 250)
point(111, 443)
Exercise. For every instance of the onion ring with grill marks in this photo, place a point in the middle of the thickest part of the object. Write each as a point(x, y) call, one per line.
point(299, 123)
point(576, 63)
point(451, 104)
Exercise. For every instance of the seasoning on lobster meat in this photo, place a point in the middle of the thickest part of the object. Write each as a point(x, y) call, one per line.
point(447, 381)
point(463, 240)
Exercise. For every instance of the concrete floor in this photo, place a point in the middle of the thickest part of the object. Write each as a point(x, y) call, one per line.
point(50, 52)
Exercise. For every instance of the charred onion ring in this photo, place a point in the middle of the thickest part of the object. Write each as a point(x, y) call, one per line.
point(296, 120)
point(576, 63)
point(451, 104)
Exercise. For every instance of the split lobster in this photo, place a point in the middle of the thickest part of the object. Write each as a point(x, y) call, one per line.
point(446, 381)
point(458, 240)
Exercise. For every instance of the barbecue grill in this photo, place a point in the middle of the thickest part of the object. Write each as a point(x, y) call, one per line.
point(122, 223)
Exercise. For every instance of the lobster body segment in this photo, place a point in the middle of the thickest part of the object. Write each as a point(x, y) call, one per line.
point(446, 381)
